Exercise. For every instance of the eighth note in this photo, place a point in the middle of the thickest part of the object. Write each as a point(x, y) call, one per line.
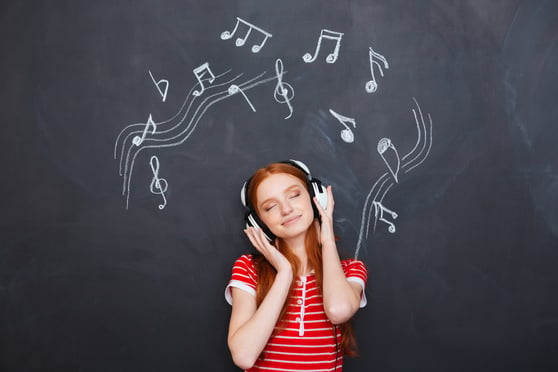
point(328, 35)
point(346, 134)
point(372, 86)
point(158, 185)
point(157, 83)
point(226, 35)
point(383, 145)
point(379, 210)
point(199, 72)
point(233, 89)
point(137, 140)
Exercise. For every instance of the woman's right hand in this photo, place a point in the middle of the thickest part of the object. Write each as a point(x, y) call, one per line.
point(270, 252)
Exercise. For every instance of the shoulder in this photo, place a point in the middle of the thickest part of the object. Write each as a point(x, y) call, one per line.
point(245, 266)
point(243, 277)
point(245, 261)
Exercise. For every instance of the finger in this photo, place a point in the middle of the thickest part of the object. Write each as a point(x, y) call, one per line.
point(250, 236)
point(262, 240)
point(254, 239)
point(330, 201)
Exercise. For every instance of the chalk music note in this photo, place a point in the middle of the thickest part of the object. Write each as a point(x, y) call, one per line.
point(157, 83)
point(384, 145)
point(284, 92)
point(379, 210)
point(200, 71)
point(158, 185)
point(372, 85)
point(328, 35)
point(234, 89)
point(346, 134)
point(137, 140)
point(226, 35)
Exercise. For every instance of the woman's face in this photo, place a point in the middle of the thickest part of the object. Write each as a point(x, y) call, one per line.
point(284, 205)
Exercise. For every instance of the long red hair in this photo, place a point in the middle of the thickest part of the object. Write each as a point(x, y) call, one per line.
point(266, 272)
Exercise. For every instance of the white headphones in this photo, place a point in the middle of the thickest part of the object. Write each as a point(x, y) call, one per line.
point(315, 188)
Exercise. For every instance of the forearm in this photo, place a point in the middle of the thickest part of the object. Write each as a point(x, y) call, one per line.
point(341, 301)
point(248, 340)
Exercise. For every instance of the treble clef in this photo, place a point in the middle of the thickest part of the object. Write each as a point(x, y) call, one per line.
point(158, 185)
point(284, 92)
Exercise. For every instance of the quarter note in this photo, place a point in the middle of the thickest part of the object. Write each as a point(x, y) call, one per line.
point(379, 210)
point(158, 185)
point(284, 92)
point(384, 145)
point(328, 35)
point(346, 134)
point(234, 89)
point(226, 35)
point(372, 85)
point(137, 140)
point(158, 83)
point(200, 71)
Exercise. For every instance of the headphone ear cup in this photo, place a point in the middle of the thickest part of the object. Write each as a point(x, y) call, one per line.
point(320, 192)
point(253, 220)
point(251, 217)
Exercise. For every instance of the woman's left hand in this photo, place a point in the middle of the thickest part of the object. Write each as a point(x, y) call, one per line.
point(325, 228)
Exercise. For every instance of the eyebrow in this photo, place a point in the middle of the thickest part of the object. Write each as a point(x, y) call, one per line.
point(286, 191)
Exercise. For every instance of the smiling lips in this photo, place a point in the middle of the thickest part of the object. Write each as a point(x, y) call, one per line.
point(291, 220)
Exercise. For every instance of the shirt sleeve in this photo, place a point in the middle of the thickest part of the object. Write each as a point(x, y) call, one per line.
point(355, 271)
point(243, 277)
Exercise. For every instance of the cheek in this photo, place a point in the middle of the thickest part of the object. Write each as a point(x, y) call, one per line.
point(305, 206)
point(269, 217)
point(306, 203)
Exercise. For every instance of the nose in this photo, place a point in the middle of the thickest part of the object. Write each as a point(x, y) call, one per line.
point(286, 207)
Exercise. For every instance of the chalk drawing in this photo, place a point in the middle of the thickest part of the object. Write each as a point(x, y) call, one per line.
point(371, 85)
point(158, 185)
point(162, 92)
point(326, 35)
point(226, 35)
point(284, 92)
point(347, 134)
point(375, 198)
point(177, 129)
point(384, 145)
point(234, 89)
point(199, 72)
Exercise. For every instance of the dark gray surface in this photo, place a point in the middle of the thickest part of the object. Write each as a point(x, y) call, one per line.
point(467, 282)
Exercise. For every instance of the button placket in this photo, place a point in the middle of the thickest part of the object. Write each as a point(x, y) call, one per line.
point(302, 303)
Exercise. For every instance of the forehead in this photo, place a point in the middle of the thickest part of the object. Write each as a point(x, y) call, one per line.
point(276, 184)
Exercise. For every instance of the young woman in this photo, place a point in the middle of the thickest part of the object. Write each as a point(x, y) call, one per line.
point(292, 302)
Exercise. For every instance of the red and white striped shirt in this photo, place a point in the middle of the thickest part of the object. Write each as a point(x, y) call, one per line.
point(308, 341)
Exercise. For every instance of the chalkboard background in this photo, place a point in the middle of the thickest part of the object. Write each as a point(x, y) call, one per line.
point(94, 280)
